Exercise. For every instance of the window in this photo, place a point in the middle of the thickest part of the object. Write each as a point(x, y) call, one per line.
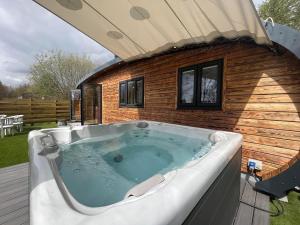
point(123, 94)
point(200, 86)
point(131, 93)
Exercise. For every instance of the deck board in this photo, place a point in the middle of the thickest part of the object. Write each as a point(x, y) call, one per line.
point(242, 187)
point(14, 195)
point(244, 215)
point(253, 205)
point(260, 216)
point(14, 199)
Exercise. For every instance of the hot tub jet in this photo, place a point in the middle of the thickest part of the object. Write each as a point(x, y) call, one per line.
point(118, 158)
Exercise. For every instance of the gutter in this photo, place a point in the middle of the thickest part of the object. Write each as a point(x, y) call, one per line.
point(104, 66)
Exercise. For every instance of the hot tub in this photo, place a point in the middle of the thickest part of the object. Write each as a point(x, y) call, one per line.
point(133, 173)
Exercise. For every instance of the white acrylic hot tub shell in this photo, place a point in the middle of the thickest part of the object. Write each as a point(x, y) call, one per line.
point(168, 203)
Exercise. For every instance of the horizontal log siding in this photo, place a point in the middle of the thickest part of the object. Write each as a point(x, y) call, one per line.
point(261, 98)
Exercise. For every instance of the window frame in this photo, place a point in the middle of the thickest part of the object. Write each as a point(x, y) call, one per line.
point(197, 104)
point(122, 104)
point(126, 105)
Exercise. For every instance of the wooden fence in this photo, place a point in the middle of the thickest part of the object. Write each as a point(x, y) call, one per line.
point(36, 110)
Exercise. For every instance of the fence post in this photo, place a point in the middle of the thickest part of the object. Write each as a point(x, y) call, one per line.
point(56, 111)
point(30, 110)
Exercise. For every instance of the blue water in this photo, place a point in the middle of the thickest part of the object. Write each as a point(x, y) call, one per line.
point(99, 173)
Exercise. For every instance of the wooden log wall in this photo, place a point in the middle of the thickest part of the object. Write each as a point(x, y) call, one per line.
point(35, 111)
point(261, 98)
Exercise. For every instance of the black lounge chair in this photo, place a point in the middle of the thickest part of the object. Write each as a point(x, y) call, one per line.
point(279, 185)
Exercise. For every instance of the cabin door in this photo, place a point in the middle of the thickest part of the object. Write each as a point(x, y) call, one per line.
point(75, 102)
point(91, 104)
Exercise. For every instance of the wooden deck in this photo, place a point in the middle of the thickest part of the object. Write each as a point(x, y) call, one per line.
point(14, 199)
point(247, 214)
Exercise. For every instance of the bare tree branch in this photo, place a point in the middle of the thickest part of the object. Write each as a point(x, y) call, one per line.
point(55, 73)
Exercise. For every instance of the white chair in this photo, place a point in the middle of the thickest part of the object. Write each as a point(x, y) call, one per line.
point(6, 126)
point(18, 122)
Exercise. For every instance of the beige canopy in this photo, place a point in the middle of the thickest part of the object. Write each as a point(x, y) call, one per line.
point(134, 29)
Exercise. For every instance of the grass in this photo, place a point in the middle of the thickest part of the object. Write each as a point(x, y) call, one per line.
point(291, 215)
point(14, 149)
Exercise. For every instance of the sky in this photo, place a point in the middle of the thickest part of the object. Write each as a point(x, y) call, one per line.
point(257, 2)
point(27, 29)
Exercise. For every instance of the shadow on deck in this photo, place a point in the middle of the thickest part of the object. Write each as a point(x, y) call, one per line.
point(14, 199)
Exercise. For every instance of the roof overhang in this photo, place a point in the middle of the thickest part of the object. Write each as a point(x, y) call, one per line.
point(102, 68)
point(134, 29)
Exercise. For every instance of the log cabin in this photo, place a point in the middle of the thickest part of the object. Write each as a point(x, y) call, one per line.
point(223, 69)
point(257, 94)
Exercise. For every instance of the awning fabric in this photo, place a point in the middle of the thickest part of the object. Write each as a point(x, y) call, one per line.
point(134, 29)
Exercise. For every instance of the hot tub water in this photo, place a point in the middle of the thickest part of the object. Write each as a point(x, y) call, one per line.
point(100, 172)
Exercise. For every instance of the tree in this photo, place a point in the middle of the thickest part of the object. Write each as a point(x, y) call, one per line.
point(56, 73)
point(4, 91)
point(19, 90)
point(285, 12)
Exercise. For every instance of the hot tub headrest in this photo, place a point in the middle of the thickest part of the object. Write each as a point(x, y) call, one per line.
point(145, 186)
point(49, 145)
point(217, 136)
point(142, 125)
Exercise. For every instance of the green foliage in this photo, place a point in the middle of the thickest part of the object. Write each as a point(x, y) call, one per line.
point(4, 90)
point(55, 73)
point(285, 12)
point(291, 215)
point(13, 92)
point(19, 90)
